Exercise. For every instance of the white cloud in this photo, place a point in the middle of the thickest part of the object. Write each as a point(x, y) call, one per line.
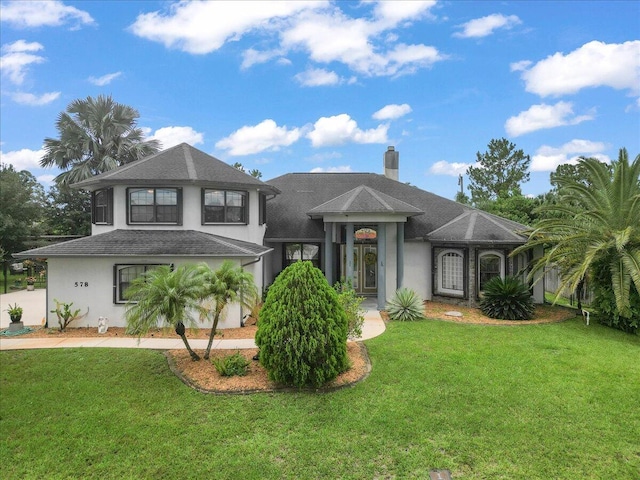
point(543, 116)
point(34, 100)
point(548, 158)
point(105, 79)
point(595, 64)
point(341, 129)
point(172, 136)
point(46, 180)
point(252, 57)
point(319, 28)
point(317, 77)
point(450, 168)
point(339, 169)
point(203, 27)
point(17, 57)
point(520, 66)
point(392, 111)
point(48, 13)
point(267, 135)
point(24, 159)
point(482, 27)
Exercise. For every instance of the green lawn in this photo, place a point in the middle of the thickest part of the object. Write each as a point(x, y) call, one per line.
point(559, 401)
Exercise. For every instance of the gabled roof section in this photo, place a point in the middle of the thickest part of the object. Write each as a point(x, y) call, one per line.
point(132, 243)
point(476, 226)
point(177, 165)
point(363, 199)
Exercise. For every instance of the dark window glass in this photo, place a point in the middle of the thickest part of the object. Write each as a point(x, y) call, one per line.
point(295, 252)
point(221, 206)
point(151, 205)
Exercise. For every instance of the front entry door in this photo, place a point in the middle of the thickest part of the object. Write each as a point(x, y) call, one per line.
point(365, 268)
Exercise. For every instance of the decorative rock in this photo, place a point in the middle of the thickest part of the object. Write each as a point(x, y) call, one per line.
point(453, 314)
point(15, 326)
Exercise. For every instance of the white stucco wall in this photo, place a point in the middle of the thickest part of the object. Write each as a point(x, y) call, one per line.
point(191, 217)
point(417, 268)
point(89, 283)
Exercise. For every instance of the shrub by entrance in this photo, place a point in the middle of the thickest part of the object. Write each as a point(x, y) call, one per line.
point(302, 331)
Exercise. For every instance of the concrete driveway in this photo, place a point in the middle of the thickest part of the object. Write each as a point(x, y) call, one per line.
point(34, 306)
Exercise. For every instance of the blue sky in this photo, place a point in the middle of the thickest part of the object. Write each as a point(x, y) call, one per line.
point(327, 86)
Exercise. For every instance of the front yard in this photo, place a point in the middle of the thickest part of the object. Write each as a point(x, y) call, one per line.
point(537, 402)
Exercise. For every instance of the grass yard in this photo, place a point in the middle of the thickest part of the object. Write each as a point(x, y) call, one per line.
point(556, 401)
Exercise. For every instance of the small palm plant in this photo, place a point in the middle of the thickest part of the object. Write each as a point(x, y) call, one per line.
point(163, 294)
point(227, 284)
point(507, 299)
point(406, 305)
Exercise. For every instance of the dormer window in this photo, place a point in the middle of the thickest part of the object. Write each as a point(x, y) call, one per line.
point(154, 205)
point(102, 207)
point(224, 206)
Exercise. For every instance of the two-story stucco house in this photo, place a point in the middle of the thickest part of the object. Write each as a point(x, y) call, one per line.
point(184, 206)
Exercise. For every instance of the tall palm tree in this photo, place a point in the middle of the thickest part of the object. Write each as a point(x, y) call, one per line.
point(96, 135)
point(165, 295)
point(596, 226)
point(227, 284)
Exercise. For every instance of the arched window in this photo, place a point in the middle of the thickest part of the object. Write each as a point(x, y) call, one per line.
point(490, 265)
point(451, 272)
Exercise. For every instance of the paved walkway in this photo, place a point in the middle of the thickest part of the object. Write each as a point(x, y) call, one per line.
point(34, 307)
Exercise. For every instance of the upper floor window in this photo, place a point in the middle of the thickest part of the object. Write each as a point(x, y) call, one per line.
point(451, 272)
point(490, 265)
point(224, 206)
point(154, 205)
point(102, 207)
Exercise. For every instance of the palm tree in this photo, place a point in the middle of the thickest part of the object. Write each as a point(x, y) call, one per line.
point(596, 229)
point(167, 295)
point(96, 135)
point(226, 285)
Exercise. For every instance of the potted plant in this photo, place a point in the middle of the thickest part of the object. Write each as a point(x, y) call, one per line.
point(31, 281)
point(15, 313)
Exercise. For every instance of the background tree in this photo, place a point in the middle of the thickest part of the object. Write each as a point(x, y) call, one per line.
point(595, 230)
point(162, 295)
point(501, 170)
point(95, 135)
point(22, 201)
point(253, 172)
point(68, 211)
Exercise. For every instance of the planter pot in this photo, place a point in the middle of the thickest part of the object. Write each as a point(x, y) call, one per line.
point(31, 288)
point(15, 318)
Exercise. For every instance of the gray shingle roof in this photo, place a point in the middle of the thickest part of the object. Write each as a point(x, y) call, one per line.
point(476, 226)
point(301, 193)
point(150, 242)
point(177, 165)
point(364, 199)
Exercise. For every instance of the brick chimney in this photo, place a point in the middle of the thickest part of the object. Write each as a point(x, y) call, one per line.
point(391, 160)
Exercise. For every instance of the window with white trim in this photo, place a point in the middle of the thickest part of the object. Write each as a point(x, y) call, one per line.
point(451, 272)
point(490, 265)
point(296, 252)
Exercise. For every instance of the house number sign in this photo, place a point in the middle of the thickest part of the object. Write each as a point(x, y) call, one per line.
point(81, 284)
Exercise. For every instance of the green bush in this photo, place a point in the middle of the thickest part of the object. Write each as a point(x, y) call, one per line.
point(507, 299)
point(302, 330)
point(604, 302)
point(406, 305)
point(351, 302)
point(231, 365)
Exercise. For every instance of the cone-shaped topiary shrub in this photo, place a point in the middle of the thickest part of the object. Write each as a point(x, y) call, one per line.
point(302, 329)
point(507, 299)
point(406, 305)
